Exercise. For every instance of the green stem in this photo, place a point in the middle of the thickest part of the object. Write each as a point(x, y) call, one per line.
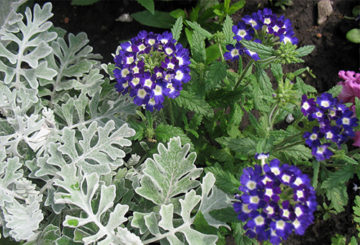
point(171, 112)
point(221, 52)
point(288, 146)
point(272, 116)
point(248, 65)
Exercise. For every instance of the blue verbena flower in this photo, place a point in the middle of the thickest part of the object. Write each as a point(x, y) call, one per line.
point(249, 28)
point(151, 67)
point(335, 124)
point(277, 199)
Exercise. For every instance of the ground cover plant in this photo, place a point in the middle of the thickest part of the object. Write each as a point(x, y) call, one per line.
point(151, 148)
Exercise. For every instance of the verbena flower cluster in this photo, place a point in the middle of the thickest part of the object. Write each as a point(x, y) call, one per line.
point(151, 66)
point(250, 29)
point(275, 201)
point(335, 124)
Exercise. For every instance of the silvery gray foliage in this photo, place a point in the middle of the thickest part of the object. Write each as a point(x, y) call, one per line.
point(65, 144)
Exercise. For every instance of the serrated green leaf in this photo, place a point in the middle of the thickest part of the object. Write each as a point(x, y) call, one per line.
point(164, 133)
point(245, 146)
point(338, 197)
point(199, 29)
point(215, 74)
point(227, 30)
point(194, 103)
point(225, 180)
point(212, 53)
point(177, 28)
point(335, 91)
point(276, 70)
point(304, 50)
point(202, 225)
point(303, 87)
point(148, 4)
point(262, 50)
point(197, 45)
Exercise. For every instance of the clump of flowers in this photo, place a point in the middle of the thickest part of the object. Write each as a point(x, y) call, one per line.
point(335, 123)
point(151, 66)
point(276, 200)
point(261, 27)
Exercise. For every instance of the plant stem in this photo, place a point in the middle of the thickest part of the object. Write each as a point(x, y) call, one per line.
point(247, 67)
point(272, 116)
point(289, 145)
point(221, 52)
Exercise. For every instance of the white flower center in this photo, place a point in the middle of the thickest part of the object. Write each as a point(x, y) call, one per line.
point(286, 178)
point(141, 93)
point(298, 212)
point(135, 81)
point(251, 185)
point(313, 136)
point(169, 51)
point(179, 75)
point(276, 28)
point(306, 106)
point(275, 170)
point(298, 181)
point(345, 121)
point(269, 210)
point(280, 225)
point(300, 194)
point(267, 21)
point(329, 135)
point(141, 47)
point(242, 33)
point(259, 220)
point(125, 72)
point(325, 103)
point(254, 199)
point(269, 192)
point(158, 90)
point(234, 52)
point(245, 208)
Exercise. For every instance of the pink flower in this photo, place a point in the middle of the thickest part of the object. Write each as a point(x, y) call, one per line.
point(357, 139)
point(351, 86)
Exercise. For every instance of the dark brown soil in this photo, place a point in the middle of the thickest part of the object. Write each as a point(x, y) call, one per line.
point(332, 53)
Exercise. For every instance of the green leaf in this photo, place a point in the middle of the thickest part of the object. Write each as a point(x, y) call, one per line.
point(212, 53)
point(235, 118)
point(197, 44)
point(178, 13)
point(215, 74)
point(236, 6)
point(262, 50)
point(335, 91)
point(335, 188)
point(244, 146)
point(164, 133)
point(303, 87)
point(159, 19)
point(169, 173)
point(83, 2)
point(225, 180)
point(357, 107)
point(199, 29)
point(202, 225)
point(176, 29)
point(305, 50)
point(353, 35)
point(148, 4)
point(194, 103)
point(276, 70)
point(227, 30)
point(294, 153)
point(227, 215)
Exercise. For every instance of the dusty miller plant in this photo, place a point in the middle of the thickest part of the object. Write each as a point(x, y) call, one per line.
point(67, 173)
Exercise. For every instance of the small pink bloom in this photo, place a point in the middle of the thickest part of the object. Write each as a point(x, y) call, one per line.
point(357, 139)
point(351, 86)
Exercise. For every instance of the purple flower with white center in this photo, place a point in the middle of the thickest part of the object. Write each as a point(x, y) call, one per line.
point(336, 124)
point(253, 21)
point(276, 200)
point(234, 52)
point(325, 101)
point(241, 32)
point(347, 120)
point(307, 105)
point(151, 67)
point(313, 139)
point(322, 152)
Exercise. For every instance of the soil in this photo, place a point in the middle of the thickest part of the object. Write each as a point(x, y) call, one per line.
point(333, 52)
